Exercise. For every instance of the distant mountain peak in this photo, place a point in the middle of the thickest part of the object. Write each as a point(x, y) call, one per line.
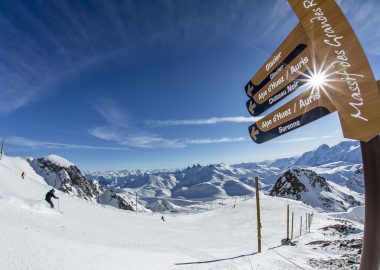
point(346, 151)
point(323, 147)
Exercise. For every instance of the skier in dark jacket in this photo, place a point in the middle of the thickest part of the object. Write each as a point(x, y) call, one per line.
point(48, 197)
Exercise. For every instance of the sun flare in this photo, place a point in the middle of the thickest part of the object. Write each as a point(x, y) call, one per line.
point(317, 80)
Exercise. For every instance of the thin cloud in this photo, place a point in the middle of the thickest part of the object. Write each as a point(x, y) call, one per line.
point(122, 129)
point(302, 139)
point(112, 112)
point(139, 140)
point(213, 141)
point(153, 141)
point(205, 121)
point(28, 143)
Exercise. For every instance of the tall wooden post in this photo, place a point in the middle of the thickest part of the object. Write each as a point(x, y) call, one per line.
point(371, 241)
point(287, 222)
point(309, 221)
point(2, 147)
point(306, 222)
point(258, 215)
point(291, 235)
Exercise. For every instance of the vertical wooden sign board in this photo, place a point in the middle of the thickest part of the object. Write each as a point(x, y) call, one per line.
point(352, 87)
point(353, 91)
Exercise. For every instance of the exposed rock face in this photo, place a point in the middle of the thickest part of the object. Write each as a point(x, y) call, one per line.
point(356, 183)
point(109, 197)
point(289, 185)
point(313, 189)
point(163, 206)
point(67, 178)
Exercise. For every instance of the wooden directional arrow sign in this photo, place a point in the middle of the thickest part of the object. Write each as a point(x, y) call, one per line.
point(305, 108)
point(275, 91)
point(352, 87)
point(293, 46)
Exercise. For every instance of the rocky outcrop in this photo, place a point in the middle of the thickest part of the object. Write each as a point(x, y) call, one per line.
point(163, 206)
point(66, 177)
point(109, 197)
point(290, 185)
point(313, 189)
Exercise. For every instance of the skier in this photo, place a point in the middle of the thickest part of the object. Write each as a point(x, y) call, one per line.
point(48, 197)
point(162, 217)
point(23, 175)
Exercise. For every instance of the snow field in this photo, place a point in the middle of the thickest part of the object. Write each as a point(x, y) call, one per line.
point(90, 236)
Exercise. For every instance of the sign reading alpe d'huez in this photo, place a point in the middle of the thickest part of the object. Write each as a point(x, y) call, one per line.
point(305, 108)
point(351, 88)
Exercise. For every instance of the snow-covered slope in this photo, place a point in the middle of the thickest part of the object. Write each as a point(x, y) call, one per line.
point(337, 172)
point(347, 151)
point(91, 236)
point(311, 188)
point(356, 182)
point(60, 161)
point(32, 187)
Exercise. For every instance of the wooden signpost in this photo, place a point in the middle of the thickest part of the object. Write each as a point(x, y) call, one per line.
point(293, 45)
point(1, 150)
point(323, 44)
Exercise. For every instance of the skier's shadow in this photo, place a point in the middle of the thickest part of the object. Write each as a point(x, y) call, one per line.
point(218, 260)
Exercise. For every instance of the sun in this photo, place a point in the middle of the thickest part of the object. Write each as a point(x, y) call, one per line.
point(317, 80)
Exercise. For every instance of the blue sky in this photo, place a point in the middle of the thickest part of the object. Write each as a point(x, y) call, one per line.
point(149, 84)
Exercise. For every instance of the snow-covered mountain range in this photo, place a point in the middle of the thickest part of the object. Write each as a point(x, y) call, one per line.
point(178, 190)
point(340, 164)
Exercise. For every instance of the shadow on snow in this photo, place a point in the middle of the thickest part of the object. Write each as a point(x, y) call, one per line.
point(218, 260)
